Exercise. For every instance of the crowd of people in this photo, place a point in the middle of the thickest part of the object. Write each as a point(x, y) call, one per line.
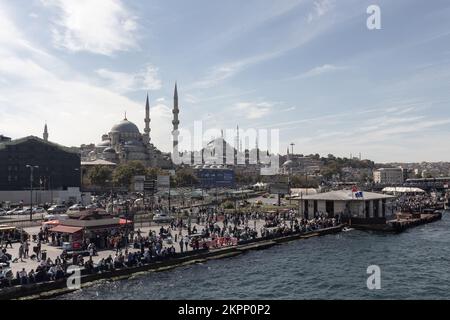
point(286, 223)
point(410, 203)
point(208, 230)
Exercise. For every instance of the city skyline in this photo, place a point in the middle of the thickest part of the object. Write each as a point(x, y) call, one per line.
point(309, 68)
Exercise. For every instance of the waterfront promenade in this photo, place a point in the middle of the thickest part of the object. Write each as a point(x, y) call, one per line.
point(53, 252)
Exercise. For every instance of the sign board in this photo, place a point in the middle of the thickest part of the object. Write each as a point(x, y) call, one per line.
point(216, 178)
point(138, 183)
point(279, 188)
point(163, 182)
point(150, 185)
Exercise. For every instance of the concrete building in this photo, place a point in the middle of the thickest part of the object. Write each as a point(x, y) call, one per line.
point(345, 203)
point(389, 176)
point(299, 164)
point(51, 169)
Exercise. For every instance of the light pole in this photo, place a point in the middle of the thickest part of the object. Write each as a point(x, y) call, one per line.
point(50, 186)
point(31, 188)
point(111, 195)
point(81, 181)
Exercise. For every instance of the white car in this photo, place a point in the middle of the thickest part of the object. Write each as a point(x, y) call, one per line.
point(13, 211)
point(57, 209)
point(76, 208)
point(24, 211)
point(162, 218)
point(39, 210)
point(51, 217)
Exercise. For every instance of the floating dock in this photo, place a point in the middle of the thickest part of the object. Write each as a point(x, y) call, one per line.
point(402, 223)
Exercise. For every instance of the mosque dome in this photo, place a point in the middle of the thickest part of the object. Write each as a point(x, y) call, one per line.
point(125, 126)
point(105, 143)
point(109, 150)
point(288, 163)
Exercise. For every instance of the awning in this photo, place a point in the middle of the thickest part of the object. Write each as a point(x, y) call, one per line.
point(66, 229)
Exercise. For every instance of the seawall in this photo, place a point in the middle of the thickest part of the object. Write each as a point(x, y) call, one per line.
point(55, 288)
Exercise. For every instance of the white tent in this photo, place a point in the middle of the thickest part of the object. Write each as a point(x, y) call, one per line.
point(297, 192)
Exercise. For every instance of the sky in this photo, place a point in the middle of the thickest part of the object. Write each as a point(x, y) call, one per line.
point(311, 69)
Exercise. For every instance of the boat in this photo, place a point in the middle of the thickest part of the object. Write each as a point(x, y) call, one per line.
point(347, 229)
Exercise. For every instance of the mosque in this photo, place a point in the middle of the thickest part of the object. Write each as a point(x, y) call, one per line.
point(126, 143)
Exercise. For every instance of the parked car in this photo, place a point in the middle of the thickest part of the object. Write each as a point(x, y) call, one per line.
point(52, 217)
point(23, 211)
point(92, 207)
point(162, 218)
point(39, 210)
point(57, 209)
point(13, 211)
point(3, 212)
point(76, 208)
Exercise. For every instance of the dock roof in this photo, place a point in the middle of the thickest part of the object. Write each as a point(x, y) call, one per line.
point(344, 195)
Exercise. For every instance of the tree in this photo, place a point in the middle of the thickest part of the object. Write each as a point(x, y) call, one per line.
point(98, 175)
point(153, 173)
point(298, 181)
point(185, 178)
point(123, 174)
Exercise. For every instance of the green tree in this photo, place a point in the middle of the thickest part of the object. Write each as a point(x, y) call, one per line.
point(185, 178)
point(123, 174)
point(300, 181)
point(153, 173)
point(98, 175)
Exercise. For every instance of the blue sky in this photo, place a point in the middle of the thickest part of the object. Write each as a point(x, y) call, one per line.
point(309, 68)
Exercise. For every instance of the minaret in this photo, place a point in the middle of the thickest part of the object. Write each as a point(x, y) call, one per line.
point(45, 135)
point(257, 150)
point(147, 121)
point(175, 121)
point(238, 141)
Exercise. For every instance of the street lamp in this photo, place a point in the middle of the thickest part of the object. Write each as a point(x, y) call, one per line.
point(81, 181)
point(112, 198)
point(31, 188)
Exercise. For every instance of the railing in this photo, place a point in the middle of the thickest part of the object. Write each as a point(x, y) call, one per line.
point(23, 222)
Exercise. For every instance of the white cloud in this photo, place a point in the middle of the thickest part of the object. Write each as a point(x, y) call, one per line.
point(254, 110)
point(35, 88)
point(219, 74)
point(126, 82)
point(317, 71)
point(300, 34)
point(100, 26)
point(321, 8)
point(387, 135)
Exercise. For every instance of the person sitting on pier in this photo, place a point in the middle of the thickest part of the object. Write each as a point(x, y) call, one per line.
point(52, 272)
point(23, 277)
point(31, 276)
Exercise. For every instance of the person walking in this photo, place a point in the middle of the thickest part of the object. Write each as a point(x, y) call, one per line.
point(38, 250)
point(9, 241)
point(21, 252)
point(26, 249)
point(186, 242)
point(181, 245)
